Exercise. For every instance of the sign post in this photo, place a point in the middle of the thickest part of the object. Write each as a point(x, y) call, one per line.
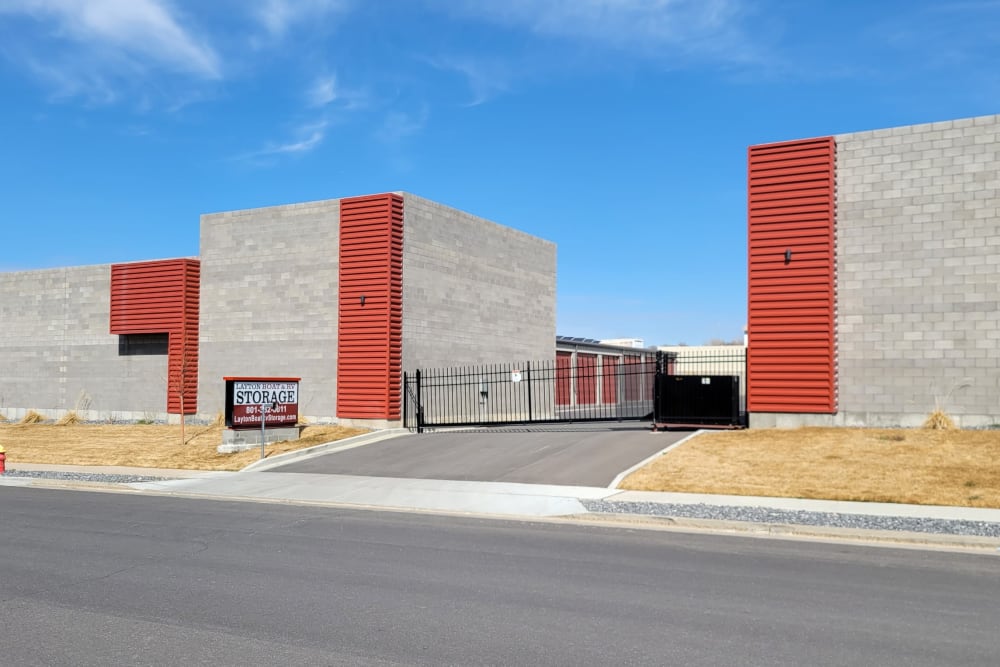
point(264, 409)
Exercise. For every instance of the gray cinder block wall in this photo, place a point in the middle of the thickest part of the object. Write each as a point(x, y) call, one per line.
point(269, 301)
point(474, 292)
point(57, 355)
point(918, 273)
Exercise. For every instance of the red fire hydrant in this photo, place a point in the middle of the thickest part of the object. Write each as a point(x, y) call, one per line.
point(3, 459)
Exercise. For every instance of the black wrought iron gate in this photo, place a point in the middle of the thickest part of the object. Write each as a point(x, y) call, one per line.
point(668, 389)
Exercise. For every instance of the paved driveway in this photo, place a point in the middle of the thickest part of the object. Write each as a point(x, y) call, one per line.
point(579, 455)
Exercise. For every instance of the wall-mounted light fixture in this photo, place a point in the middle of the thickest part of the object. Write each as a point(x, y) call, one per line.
point(362, 299)
point(788, 257)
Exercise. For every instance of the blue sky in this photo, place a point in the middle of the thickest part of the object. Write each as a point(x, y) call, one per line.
point(616, 128)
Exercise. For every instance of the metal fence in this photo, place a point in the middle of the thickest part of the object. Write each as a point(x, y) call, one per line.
point(593, 388)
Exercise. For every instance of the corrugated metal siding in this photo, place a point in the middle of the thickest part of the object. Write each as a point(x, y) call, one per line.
point(792, 350)
point(157, 297)
point(370, 336)
point(586, 379)
point(564, 378)
point(609, 379)
point(633, 377)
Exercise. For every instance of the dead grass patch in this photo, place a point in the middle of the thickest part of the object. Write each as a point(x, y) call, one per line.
point(939, 420)
point(919, 466)
point(147, 445)
point(69, 419)
point(32, 417)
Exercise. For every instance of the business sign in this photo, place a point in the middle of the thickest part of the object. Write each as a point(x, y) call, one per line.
point(249, 399)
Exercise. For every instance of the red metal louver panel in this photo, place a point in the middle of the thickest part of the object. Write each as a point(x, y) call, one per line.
point(792, 299)
point(163, 297)
point(370, 327)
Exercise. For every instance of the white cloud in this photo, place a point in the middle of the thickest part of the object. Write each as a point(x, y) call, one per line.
point(306, 138)
point(399, 125)
point(278, 16)
point(323, 91)
point(67, 81)
point(653, 27)
point(486, 80)
point(122, 34)
point(326, 91)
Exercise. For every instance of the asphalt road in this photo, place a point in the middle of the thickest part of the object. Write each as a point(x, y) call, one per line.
point(572, 455)
point(96, 579)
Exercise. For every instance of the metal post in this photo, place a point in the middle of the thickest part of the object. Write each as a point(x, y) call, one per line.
point(420, 406)
point(658, 381)
point(745, 403)
point(527, 378)
point(406, 396)
point(263, 429)
point(264, 409)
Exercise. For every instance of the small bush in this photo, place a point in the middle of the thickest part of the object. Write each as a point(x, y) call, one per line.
point(939, 421)
point(32, 417)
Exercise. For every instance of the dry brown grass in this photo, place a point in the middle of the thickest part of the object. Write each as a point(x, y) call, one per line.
point(939, 420)
point(32, 417)
point(920, 466)
point(147, 446)
point(69, 419)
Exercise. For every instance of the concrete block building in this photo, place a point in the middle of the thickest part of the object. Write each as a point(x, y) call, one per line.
point(874, 276)
point(345, 294)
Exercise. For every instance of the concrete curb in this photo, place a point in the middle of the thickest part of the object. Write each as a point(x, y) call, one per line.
point(864, 537)
point(622, 475)
point(336, 446)
point(890, 538)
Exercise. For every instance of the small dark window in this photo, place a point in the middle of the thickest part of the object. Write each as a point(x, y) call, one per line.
point(141, 344)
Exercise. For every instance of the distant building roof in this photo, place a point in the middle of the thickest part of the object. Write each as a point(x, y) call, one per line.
point(577, 339)
point(625, 342)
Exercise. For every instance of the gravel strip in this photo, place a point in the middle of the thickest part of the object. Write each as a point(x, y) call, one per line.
point(762, 515)
point(83, 476)
point(800, 518)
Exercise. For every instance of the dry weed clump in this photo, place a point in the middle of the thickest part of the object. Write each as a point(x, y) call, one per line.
point(939, 421)
point(3, 418)
point(69, 419)
point(32, 417)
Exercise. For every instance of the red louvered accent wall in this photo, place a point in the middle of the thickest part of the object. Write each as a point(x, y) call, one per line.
point(370, 336)
point(163, 297)
point(792, 346)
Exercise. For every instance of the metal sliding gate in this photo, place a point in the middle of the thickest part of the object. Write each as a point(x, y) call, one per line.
point(672, 389)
